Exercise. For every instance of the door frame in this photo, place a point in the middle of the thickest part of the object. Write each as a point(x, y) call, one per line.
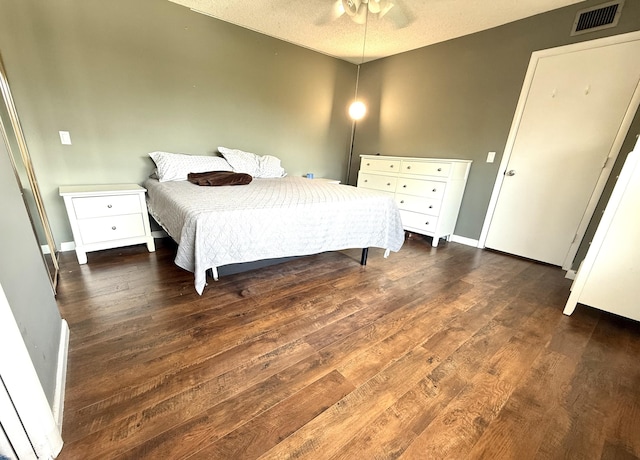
point(613, 152)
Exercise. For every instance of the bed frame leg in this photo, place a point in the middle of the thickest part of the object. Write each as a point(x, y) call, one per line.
point(363, 259)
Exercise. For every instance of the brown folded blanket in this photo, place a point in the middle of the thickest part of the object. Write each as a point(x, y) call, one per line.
point(219, 178)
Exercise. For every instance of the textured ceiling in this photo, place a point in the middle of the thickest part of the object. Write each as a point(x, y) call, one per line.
point(410, 24)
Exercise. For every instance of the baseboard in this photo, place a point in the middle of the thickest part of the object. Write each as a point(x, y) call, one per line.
point(571, 274)
point(61, 375)
point(464, 240)
point(67, 246)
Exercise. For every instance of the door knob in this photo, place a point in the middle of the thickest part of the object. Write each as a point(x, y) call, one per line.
point(511, 172)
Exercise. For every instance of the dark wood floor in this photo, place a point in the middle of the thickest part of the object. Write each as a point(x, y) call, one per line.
point(449, 353)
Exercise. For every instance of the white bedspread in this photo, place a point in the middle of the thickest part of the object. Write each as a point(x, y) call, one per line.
point(270, 218)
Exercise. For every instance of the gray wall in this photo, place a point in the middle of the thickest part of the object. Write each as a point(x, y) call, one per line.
point(457, 99)
point(25, 280)
point(129, 77)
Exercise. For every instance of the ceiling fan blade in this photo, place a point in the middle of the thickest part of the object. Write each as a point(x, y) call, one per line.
point(385, 7)
point(361, 15)
point(378, 6)
point(399, 16)
point(351, 7)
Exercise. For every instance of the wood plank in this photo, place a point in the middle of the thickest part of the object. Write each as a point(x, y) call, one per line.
point(273, 425)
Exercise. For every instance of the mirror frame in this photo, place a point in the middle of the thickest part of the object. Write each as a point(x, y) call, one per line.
point(26, 159)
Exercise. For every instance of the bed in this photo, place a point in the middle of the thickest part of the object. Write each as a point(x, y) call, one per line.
point(269, 218)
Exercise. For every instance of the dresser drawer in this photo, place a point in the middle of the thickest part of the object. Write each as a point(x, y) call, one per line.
point(425, 188)
point(418, 204)
point(426, 168)
point(111, 228)
point(102, 206)
point(383, 165)
point(418, 222)
point(377, 182)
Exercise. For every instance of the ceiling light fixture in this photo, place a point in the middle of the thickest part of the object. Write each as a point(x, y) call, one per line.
point(357, 9)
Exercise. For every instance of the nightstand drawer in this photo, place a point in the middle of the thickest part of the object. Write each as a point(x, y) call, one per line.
point(102, 206)
point(377, 182)
point(418, 204)
point(418, 222)
point(100, 229)
point(424, 188)
point(383, 165)
point(431, 168)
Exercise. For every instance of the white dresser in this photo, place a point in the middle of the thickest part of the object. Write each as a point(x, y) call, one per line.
point(609, 276)
point(107, 216)
point(428, 191)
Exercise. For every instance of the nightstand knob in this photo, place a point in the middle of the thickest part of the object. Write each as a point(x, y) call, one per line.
point(388, 184)
point(109, 206)
point(439, 169)
point(430, 206)
point(401, 201)
point(434, 190)
point(113, 228)
point(404, 186)
point(366, 180)
point(368, 164)
point(426, 223)
point(408, 167)
point(391, 166)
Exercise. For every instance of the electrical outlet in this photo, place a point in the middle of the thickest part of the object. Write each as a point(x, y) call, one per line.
point(491, 156)
point(65, 137)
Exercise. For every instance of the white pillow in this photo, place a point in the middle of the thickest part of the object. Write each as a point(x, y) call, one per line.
point(176, 166)
point(250, 163)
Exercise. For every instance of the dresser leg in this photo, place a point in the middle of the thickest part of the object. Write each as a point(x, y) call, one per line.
point(151, 245)
point(82, 256)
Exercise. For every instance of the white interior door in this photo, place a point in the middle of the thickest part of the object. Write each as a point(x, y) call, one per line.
point(572, 116)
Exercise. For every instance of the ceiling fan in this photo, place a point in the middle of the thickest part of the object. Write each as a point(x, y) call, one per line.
point(358, 10)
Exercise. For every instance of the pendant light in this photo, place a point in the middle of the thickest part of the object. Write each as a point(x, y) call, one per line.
point(357, 109)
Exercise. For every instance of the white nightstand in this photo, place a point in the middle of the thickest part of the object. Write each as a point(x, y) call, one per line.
point(107, 216)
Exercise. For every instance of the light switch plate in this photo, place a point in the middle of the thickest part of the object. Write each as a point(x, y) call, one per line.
point(491, 156)
point(65, 137)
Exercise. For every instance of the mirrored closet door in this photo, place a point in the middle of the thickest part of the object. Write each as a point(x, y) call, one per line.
point(16, 146)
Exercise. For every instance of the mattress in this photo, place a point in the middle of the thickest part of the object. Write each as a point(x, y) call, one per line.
point(270, 218)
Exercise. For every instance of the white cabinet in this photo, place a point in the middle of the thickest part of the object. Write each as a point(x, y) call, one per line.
point(428, 191)
point(107, 216)
point(609, 276)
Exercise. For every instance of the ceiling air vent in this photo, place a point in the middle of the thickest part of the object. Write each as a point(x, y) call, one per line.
point(597, 18)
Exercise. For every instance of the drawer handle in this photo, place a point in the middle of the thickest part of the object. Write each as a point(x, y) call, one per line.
point(439, 169)
point(434, 190)
point(404, 186)
point(109, 206)
point(113, 228)
point(388, 183)
point(408, 167)
point(401, 201)
point(426, 223)
point(368, 164)
point(430, 206)
point(366, 180)
point(391, 166)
